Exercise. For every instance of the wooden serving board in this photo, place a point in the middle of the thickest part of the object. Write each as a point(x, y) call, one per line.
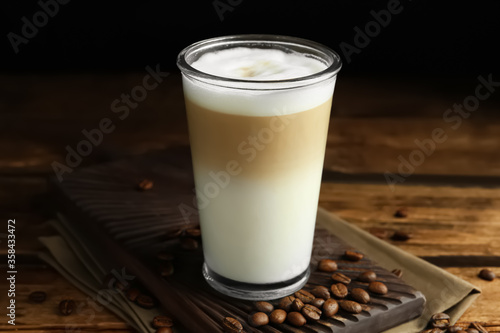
point(129, 227)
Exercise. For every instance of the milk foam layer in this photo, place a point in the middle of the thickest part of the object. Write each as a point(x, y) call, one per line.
point(257, 64)
point(267, 65)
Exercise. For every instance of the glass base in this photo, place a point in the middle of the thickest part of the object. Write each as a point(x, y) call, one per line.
point(254, 292)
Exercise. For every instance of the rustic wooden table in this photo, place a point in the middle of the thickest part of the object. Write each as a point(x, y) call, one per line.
point(448, 180)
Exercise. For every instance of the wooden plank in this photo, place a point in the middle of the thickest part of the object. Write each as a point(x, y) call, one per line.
point(367, 135)
point(45, 316)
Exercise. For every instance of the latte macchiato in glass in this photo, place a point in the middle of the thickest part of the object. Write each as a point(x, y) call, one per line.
point(258, 110)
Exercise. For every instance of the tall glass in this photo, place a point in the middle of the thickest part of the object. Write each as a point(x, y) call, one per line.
point(258, 148)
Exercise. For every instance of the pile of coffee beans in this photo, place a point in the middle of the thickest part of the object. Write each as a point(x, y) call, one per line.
point(440, 323)
point(319, 302)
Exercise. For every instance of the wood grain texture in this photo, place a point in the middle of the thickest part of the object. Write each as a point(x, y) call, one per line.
point(41, 114)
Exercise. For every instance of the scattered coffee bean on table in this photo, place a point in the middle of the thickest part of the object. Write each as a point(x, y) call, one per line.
point(368, 276)
point(66, 307)
point(145, 185)
point(132, 294)
point(193, 232)
point(327, 265)
point(318, 302)
point(353, 256)
point(330, 307)
point(297, 305)
point(339, 290)
point(440, 320)
point(286, 303)
point(304, 296)
point(340, 278)
point(278, 316)
point(433, 330)
point(310, 312)
point(360, 295)
point(487, 275)
point(162, 321)
point(397, 272)
point(258, 319)
point(351, 306)
point(377, 288)
point(401, 236)
point(401, 213)
point(296, 319)
point(472, 330)
point(265, 307)
point(189, 244)
point(231, 325)
point(321, 292)
point(145, 301)
point(37, 297)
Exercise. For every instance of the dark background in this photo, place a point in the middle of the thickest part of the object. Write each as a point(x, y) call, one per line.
point(428, 38)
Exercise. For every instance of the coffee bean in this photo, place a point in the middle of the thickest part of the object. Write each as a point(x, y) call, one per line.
point(341, 278)
point(145, 301)
point(145, 185)
point(327, 265)
point(297, 305)
point(397, 272)
point(472, 330)
point(296, 319)
point(265, 307)
point(339, 290)
point(440, 320)
point(164, 330)
point(368, 276)
point(258, 319)
point(479, 327)
point(401, 236)
point(132, 294)
point(278, 316)
point(66, 307)
point(193, 232)
point(360, 295)
point(330, 307)
point(377, 288)
point(231, 325)
point(166, 269)
point(455, 329)
point(165, 256)
point(189, 244)
point(353, 256)
point(304, 296)
point(486, 274)
point(286, 303)
point(321, 292)
point(311, 312)
point(318, 302)
point(162, 321)
point(37, 297)
point(433, 330)
point(351, 306)
point(401, 212)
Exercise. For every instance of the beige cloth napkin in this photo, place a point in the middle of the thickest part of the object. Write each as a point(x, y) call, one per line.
point(444, 292)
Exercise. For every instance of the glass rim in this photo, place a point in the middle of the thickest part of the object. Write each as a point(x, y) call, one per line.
point(287, 43)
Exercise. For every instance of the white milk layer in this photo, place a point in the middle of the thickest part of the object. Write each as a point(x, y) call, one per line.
point(263, 65)
point(259, 231)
